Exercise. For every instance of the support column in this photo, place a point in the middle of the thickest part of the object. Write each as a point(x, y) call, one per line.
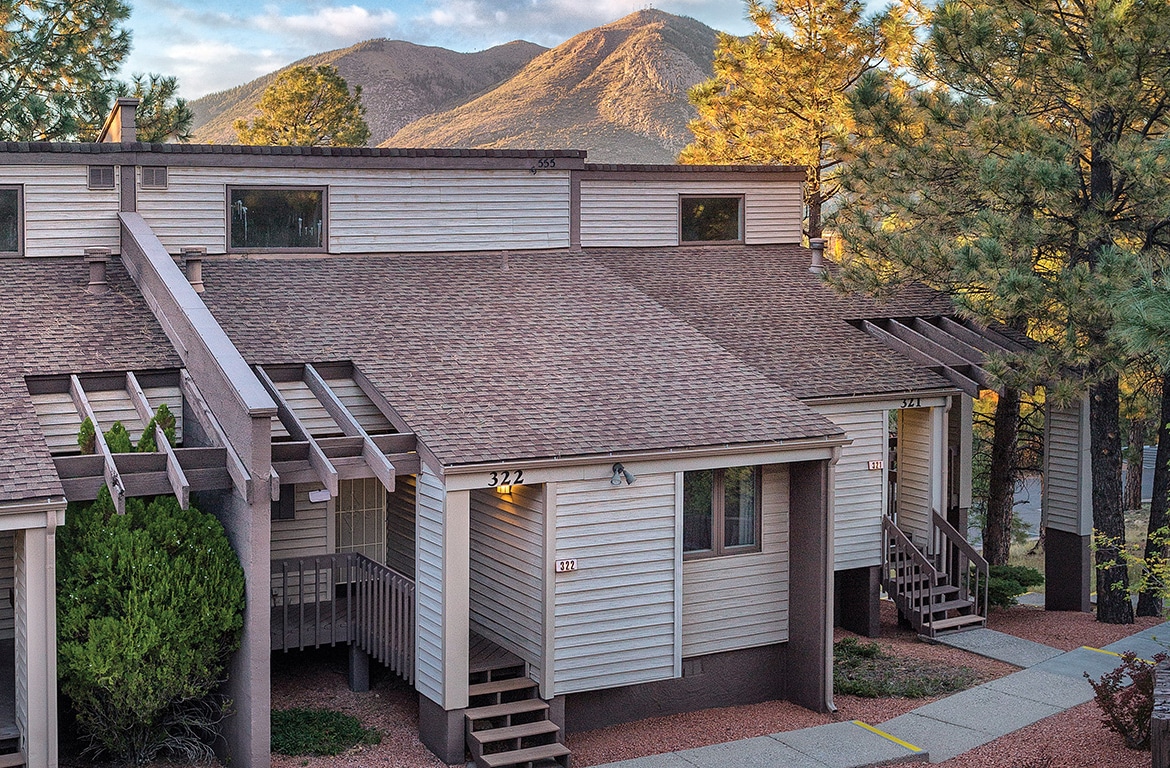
point(36, 644)
point(857, 600)
point(1067, 507)
point(810, 628)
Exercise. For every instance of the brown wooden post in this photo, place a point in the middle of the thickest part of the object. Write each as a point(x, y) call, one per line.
point(1160, 719)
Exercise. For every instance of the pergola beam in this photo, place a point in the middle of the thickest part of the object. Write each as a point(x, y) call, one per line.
point(325, 470)
point(175, 474)
point(215, 434)
point(963, 382)
point(375, 459)
point(946, 357)
point(110, 469)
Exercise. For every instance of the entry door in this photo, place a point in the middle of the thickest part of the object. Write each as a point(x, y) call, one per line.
point(361, 518)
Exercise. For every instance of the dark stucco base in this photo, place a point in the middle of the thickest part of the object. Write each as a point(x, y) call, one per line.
point(1067, 568)
point(717, 680)
point(857, 597)
point(441, 731)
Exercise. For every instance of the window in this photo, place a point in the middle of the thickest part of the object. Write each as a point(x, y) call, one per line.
point(11, 207)
point(711, 219)
point(101, 177)
point(276, 218)
point(721, 511)
point(286, 508)
point(154, 177)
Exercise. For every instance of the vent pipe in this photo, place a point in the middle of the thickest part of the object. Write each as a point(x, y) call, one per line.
point(817, 246)
point(97, 259)
point(193, 266)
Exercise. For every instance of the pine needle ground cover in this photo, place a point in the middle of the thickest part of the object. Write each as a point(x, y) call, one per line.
point(864, 669)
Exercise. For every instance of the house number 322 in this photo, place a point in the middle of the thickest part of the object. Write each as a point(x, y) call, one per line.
point(506, 477)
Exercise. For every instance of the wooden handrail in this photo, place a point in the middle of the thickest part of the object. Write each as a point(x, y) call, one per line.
point(907, 575)
point(967, 569)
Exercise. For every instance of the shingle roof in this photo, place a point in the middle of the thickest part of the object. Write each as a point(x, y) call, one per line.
point(763, 304)
point(492, 357)
point(50, 324)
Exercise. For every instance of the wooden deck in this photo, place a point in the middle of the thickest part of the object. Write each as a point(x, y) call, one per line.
point(8, 691)
point(485, 655)
point(325, 622)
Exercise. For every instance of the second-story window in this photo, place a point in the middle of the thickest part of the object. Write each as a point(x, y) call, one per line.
point(276, 218)
point(10, 220)
point(714, 219)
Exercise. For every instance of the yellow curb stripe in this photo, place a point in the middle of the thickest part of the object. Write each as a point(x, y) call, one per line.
point(885, 735)
point(1113, 653)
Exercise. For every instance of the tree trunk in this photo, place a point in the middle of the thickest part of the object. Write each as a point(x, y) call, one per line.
point(1133, 464)
point(815, 228)
point(1113, 605)
point(1150, 600)
point(1001, 485)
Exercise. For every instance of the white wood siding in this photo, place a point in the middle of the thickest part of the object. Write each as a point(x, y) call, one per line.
point(428, 665)
point(360, 406)
point(1067, 502)
point(400, 513)
point(308, 408)
point(21, 630)
point(60, 422)
point(741, 601)
point(859, 493)
point(615, 615)
point(62, 216)
point(378, 211)
point(7, 584)
point(306, 536)
point(915, 473)
point(645, 213)
point(507, 595)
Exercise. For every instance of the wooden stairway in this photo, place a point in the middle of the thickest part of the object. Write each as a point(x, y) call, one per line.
point(942, 592)
point(507, 724)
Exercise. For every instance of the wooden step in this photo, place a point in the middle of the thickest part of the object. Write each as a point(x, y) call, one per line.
point(521, 756)
point(955, 622)
point(948, 605)
point(500, 686)
point(506, 709)
point(522, 731)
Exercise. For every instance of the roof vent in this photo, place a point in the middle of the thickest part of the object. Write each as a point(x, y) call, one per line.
point(193, 264)
point(97, 258)
point(817, 246)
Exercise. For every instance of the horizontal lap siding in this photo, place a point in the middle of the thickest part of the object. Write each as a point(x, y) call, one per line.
point(1063, 465)
point(645, 213)
point(20, 621)
point(308, 409)
point(429, 587)
point(914, 473)
point(741, 601)
point(360, 406)
point(614, 616)
point(507, 544)
point(59, 421)
point(7, 584)
point(306, 536)
point(374, 211)
point(400, 512)
point(858, 491)
point(62, 216)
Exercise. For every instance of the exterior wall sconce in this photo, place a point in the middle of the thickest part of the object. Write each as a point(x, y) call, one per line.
point(620, 472)
point(504, 490)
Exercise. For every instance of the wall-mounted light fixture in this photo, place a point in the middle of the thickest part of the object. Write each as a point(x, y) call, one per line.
point(504, 490)
point(620, 472)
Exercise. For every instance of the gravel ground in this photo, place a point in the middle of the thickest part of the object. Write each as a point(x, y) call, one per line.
point(1073, 739)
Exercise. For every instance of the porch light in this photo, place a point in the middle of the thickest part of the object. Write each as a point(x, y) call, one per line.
point(620, 472)
point(504, 490)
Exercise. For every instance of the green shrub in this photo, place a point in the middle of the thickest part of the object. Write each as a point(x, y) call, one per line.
point(150, 606)
point(118, 439)
point(163, 418)
point(1007, 582)
point(87, 437)
point(317, 732)
point(864, 669)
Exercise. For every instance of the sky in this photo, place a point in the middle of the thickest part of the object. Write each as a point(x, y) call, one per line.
point(211, 45)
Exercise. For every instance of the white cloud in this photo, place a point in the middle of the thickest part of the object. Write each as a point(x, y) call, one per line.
point(349, 24)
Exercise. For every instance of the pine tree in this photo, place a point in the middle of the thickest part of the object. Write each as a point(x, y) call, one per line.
point(779, 95)
point(1022, 172)
point(308, 106)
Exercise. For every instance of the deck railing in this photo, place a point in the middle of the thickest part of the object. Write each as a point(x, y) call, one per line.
point(908, 576)
point(964, 565)
point(344, 598)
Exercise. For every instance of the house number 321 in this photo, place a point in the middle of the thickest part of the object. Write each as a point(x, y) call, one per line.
point(506, 477)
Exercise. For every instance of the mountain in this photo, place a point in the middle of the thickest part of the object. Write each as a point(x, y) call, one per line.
point(400, 82)
point(618, 91)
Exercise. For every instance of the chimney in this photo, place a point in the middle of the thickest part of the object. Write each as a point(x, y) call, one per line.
point(817, 246)
point(193, 264)
point(97, 259)
point(120, 124)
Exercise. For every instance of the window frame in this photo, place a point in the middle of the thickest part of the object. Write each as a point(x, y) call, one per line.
point(19, 189)
point(742, 218)
point(719, 546)
point(227, 202)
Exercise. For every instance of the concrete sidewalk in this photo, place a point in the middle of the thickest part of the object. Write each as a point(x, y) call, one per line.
point(1051, 682)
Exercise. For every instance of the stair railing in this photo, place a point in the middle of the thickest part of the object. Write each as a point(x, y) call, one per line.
point(964, 566)
point(908, 576)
